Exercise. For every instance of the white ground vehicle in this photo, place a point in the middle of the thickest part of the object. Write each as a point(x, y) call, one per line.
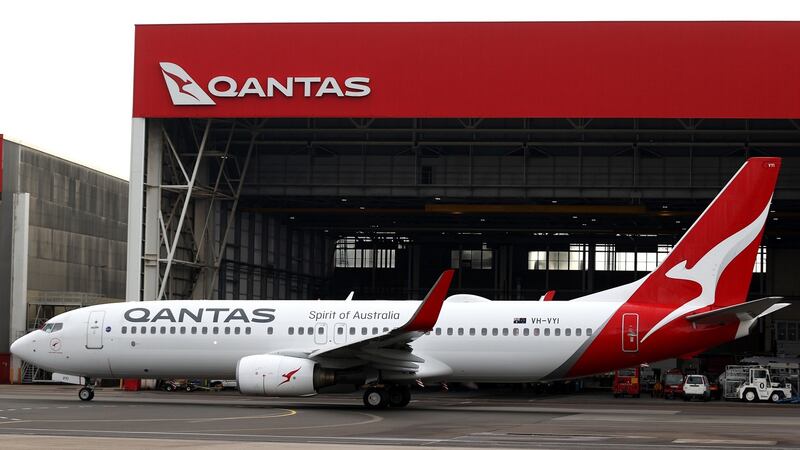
point(759, 386)
point(696, 386)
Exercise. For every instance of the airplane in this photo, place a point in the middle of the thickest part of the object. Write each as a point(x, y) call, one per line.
point(694, 300)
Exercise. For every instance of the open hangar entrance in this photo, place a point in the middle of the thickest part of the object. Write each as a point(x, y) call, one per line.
point(315, 208)
point(294, 199)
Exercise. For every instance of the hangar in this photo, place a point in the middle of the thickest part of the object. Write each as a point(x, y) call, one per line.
point(311, 160)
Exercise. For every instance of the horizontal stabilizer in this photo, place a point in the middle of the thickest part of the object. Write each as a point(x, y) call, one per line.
point(741, 312)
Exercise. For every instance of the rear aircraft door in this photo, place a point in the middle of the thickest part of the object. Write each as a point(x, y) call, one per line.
point(630, 332)
point(94, 330)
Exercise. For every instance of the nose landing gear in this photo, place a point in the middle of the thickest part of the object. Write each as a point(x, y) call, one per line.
point(86, 393)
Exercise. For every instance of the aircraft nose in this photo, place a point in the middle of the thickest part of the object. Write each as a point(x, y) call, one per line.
point(23, 347)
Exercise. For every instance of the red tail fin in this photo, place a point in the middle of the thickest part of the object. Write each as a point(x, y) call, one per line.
point(713, 263)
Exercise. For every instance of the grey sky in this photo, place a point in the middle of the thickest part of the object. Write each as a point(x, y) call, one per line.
point(66, 73)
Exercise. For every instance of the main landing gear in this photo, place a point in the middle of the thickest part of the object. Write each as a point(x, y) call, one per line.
point(380, 397)
point(87, 391)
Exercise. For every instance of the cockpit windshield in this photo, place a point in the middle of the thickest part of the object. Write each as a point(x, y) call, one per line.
point(52, 327)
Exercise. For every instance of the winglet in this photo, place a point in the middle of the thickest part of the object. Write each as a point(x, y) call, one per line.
point(428, 312)
point(547, 296)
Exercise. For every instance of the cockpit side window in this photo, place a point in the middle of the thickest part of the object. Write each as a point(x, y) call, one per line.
point(52, 327)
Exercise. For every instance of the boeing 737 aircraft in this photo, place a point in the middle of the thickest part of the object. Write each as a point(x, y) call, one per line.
point(694, 300)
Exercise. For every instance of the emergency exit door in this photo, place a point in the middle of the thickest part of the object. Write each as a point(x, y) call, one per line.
point(630, 332)
point(94, 330)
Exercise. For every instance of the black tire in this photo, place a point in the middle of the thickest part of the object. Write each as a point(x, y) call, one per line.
point(86, 394)
point(169, 387)
point(775, 397)
point(750, 396)
point(376, 398)
point(189, 388)
point(399, 396)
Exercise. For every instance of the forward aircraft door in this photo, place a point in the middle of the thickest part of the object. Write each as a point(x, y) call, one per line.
point(630, 332)
point(94, 330)
point(340, 333)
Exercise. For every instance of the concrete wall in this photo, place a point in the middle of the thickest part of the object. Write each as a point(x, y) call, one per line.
point(77, 235)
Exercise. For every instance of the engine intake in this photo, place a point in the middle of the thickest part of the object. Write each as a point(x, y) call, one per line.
point(281, 376)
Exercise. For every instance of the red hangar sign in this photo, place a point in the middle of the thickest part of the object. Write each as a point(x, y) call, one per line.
point(581, 69)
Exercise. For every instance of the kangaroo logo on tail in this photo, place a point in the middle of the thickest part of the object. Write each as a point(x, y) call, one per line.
point(707, 271)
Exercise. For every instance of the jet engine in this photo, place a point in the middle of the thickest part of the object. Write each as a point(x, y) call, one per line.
point(281, 376)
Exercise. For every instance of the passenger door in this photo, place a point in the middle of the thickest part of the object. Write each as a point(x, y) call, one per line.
point(321, 333)
point(340, 333)
point(94, 330)
point(630, 332)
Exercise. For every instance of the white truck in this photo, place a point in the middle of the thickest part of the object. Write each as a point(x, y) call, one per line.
point(758, 386)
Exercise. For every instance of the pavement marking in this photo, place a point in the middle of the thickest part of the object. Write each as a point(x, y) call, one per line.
point(171, 419)
point(724, 441)
point(372, 419)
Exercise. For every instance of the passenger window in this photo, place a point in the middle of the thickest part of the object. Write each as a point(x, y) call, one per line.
point(385, 329)
point(216, 330)
point(143, 330)
point(374, 330)
point(472, 331)
point(438, 331)
point(269, 330)
point(526, 331)
point(339, 331)
point(460, 331)
point(484, 331)
point(494, 331)
point(171, 330)
point(558, 331)
point(227, 330)
point(547, 331)
point(204, 330)
point(152, 330)
point(588, 331)
point(247, 330)
point(311, 330)
point(515, 331)
point(505, 331)
point(133, 330)
point(449, 331)
point(194, 330)
point(301, 330)
point(577, 331)
point(352, 331)
point(183, 330)
point(536, 331)
point(567, 331)
point(363, 331)
point(124, 330)
point(163, 330)
point(320, 330)
point(237, 330)
point(291, 331)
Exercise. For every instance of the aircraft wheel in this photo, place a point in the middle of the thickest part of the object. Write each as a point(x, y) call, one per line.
point(86, 394)
point(376, 398)
point(399, 396)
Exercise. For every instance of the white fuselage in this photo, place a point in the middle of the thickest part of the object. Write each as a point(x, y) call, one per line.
point(476, 341)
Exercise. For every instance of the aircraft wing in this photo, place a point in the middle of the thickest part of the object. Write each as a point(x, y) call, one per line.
point(741, 312)
point(390, 350)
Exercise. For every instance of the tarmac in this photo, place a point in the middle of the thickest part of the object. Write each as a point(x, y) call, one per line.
point(42, 416)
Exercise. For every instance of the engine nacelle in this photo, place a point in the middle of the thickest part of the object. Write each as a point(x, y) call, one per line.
point(280, 376)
